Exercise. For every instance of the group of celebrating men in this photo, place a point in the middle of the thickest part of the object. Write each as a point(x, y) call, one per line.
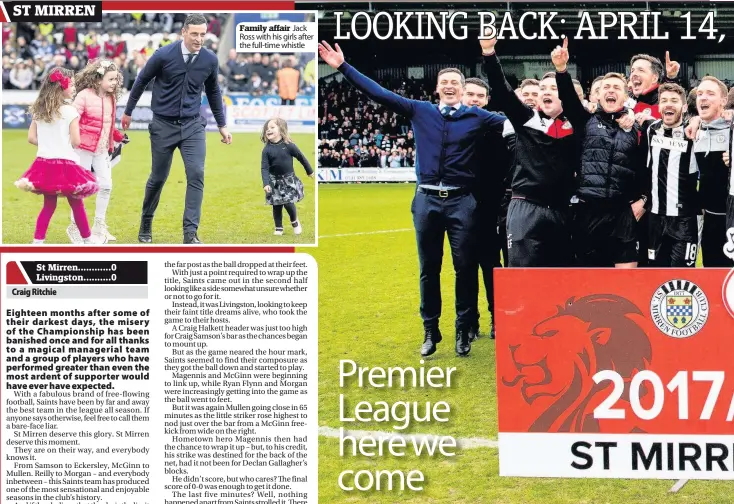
point(620, 181)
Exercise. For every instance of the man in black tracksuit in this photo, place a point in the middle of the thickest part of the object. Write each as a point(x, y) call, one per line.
point(496, 163)
point(610, 180)
point(546, 155)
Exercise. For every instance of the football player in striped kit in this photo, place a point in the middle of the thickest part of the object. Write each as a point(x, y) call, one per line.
point(673, 172)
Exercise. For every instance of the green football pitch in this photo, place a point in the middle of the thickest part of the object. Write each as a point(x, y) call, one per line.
point(233, 212)
point(368, 312)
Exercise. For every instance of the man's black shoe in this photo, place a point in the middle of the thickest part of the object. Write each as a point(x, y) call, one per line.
point(431, 338)
point(191, 239)
point(145, 234)
point(474, 333)
point(463, 345)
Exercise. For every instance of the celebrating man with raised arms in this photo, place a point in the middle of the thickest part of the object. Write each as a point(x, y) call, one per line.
point(546, 157)
point(447, 157)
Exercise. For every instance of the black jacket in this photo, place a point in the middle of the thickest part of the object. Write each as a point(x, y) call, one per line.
point(612, 162)
point(546, 149)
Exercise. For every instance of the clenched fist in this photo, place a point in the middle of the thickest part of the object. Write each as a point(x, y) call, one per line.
point(488, 44)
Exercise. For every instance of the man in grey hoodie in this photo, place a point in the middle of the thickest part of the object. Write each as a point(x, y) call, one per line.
point(710, 146)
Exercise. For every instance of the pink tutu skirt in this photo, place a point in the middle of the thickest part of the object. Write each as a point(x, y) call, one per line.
point(58, 176)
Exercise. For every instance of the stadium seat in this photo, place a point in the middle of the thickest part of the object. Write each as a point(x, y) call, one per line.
point(58, 37)
point(156, 38)
point(177, 27)
point(211, 36)
point(173, 36)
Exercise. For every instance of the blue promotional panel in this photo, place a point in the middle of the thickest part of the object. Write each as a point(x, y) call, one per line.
point(262, 100)
point(16, 117)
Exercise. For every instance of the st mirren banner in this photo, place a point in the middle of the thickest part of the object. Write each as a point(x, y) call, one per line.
point(616, 374)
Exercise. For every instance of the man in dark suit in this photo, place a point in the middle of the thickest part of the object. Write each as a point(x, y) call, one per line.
point(447, 139)
point(181, 71)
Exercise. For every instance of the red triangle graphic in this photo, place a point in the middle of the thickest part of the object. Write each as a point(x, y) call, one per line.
point(13, 275)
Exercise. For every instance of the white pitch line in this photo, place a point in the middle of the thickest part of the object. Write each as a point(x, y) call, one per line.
point(463, 443)
point(367, 233)
point(678, 485)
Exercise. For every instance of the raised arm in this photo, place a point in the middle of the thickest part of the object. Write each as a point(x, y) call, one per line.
point(672, 68)
point(502, 94)
point(572, 106)
point(394, 102)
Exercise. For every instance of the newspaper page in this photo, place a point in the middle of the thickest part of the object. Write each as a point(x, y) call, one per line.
point(174, 378)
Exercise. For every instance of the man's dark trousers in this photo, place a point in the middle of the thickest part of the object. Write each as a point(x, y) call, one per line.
point(487, 243)
point(433, 217)
point(189, 136)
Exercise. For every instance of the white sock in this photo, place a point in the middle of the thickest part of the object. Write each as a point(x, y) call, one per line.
point(38, 242)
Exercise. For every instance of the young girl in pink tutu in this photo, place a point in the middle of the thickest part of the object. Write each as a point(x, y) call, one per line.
point(56, 171)
point(98, 86)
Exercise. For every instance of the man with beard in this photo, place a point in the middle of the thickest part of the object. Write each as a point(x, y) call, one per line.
point(489, 192)
point(447, 141)
point(538, 230)
point(610, 189)
point(673, 204)
point(711, 143)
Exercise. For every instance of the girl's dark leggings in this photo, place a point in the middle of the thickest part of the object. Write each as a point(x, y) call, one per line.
point(278, 213)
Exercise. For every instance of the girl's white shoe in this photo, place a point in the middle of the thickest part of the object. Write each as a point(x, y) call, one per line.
point(95, 239)
point(297, 229)
point(72, 231)
point(100, 227)
point(278, 232)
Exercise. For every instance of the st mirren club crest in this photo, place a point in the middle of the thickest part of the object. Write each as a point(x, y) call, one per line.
point(679, 308)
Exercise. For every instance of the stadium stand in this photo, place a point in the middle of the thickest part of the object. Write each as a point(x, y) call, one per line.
point(31, 50)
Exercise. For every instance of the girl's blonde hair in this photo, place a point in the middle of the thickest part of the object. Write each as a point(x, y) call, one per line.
point(47, 107)
point(94, 72)
point(282, 126)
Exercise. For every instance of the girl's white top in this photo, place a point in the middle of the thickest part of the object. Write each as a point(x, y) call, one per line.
point(54, 141)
